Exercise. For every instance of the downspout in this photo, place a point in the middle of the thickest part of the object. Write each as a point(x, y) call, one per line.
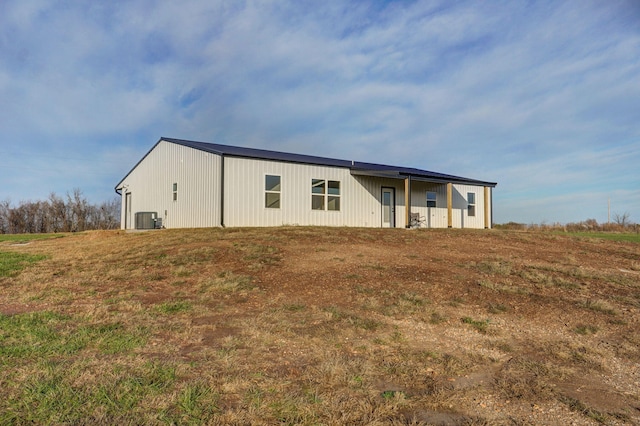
point(222, 190)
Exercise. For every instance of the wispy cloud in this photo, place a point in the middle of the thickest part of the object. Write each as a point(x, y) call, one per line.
point(543, 97)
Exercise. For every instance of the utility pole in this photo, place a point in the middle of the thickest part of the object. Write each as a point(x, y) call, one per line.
point(609, 210)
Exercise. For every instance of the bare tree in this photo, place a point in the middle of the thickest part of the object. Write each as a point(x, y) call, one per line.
point(107, 214)
point(79, 210)
point(621, 219)
point(58, 214)
point(17, 222)
point(4, 216)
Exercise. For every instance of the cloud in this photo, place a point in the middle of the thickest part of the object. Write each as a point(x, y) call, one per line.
point(541, 96)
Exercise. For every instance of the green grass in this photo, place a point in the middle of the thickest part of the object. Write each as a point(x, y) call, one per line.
point(497, 267)
point(11, 263)
point(174, 307)
point(25, 238)
point(339, 315)
point(498, 308)
point(56, 394)
point(598, 306)
point(628, 237)
point(196, 403)
point(480, 326)
point(586, 329)
point(48, 334)
point(577, 405)
point(227, 282)
point(49, 356)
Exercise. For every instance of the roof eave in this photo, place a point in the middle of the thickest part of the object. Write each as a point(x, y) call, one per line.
point(399, 174)
point(356, 168)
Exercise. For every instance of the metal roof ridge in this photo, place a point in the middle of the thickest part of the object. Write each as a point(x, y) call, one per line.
point(259, 152)
point(266, 154)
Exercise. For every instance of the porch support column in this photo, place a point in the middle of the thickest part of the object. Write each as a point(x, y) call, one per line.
point(450, 205)
point(407, 202)
point(487, 224)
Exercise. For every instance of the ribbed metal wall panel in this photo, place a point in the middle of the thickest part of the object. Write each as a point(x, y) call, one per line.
point(197, 175)
point(371, 188)
point(436, 217)
point(461, 203)
point(245, 193)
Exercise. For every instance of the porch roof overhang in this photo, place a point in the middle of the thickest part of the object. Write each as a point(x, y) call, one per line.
point(415, 175)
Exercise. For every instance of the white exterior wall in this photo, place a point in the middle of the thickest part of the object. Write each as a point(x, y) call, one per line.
point(151, 186)
point(198, 175)
point(460, 204)
point(244, 196)
point(436, 217)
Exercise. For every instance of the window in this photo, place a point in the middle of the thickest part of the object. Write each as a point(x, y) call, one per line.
point(317, 194)
point(333, 200)
point(175, 192)
point(431, 199)
point(272, 192)
point(325, 194)
point(471, 201)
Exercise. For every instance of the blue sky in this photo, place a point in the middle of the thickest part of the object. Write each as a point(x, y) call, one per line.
point(541, 96)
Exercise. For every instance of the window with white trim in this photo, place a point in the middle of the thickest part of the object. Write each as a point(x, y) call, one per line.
point(471, 204)
point(272, 191)
point(175, 192)
point(325, 194)
point(431, 199)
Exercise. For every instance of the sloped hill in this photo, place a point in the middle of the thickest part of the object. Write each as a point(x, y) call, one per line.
point(321, 326)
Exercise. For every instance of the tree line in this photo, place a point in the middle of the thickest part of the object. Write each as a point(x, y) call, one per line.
point(621, 222)
point(69, 213)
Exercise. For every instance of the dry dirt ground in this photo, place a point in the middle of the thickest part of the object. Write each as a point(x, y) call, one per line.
point(303, 325)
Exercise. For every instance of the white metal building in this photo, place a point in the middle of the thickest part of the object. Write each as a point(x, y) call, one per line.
point(186, 184)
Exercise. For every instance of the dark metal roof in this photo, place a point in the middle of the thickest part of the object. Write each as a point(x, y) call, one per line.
point(263, 154)
point(356, 167)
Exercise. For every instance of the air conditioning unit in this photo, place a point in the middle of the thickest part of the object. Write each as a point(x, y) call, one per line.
point(146, 220)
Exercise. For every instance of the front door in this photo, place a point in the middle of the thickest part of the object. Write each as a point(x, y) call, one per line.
point(388, 208)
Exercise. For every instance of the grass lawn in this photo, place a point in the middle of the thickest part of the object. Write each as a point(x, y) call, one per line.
point(24, 238)
point(11, 262)
point(311, 326)
point(627, 237)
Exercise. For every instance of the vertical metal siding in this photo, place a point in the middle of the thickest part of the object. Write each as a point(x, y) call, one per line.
point(460, 204)
point(197, 175)
point(244, 195)
point(436, 217)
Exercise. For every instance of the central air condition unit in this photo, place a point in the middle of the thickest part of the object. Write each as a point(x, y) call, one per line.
point(146, 220)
